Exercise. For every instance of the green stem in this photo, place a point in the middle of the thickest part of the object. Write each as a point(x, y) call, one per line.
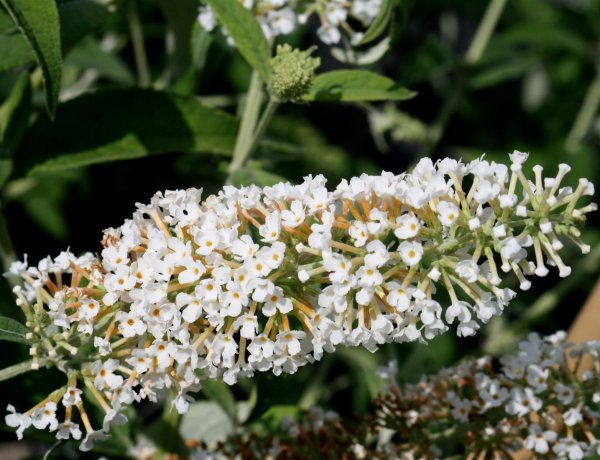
point(484, 31)
point(7, 251)
point(585, 117)
point(250, 115)
point(265, 120)
point(17, 369)
point(137, 41)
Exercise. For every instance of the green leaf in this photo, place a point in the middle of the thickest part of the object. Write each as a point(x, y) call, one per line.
point(14, 49)
point(12, 331)
point(380, 23)
point(499, 73)
point(44, 202)
point(126, 124)
point(6, 168)
point(356, 85)
point(253, 174)
point(39, 23)
point(88, 54)
point(181, 20)
point(14, 116)
point(221, 393)
point(206, 421)
point(544, 36)
point(79, 18)
point(362, 57)
point(17, 369)
point(245, 31)
point(274, 416)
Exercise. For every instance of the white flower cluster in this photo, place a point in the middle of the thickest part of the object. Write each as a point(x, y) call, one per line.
point(534, 401)
point(530, 405)
point(269, 279)
point(280, 17)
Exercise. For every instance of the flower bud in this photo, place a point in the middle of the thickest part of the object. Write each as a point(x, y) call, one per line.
point(293, 72)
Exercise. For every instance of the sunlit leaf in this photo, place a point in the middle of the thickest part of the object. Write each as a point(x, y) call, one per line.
point(356, 85)
point(245, 31)
point(39, 23)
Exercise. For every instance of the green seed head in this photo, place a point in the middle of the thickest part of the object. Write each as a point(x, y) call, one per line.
point(293, 72)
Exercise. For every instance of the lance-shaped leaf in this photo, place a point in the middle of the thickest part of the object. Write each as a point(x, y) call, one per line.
point(14, 49)
point(356, 86)
point(13, 331)
point(126, 124)
point(245, 31)
point(14, 116)
point(380, 23)
point(39, 23)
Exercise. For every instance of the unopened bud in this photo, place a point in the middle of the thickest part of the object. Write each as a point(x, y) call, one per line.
point(293, 72)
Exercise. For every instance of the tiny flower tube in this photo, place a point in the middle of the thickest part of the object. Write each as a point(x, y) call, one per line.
point(270, 279)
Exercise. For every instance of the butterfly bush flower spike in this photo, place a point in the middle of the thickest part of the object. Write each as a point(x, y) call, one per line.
point(270, 279)
point(524, 405)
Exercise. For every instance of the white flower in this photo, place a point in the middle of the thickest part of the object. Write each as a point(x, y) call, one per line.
point(369, 277)
point(564, 393)
point(411, 252)
point(338, 267)
point(89, 309)
point(277, 302)
point(45, 416)
point(289, 341)
point(248, 325)
point(468, 270)
point(15, 420)
point(523, 401)
point(194, 269)
point(398, 296)
point(378, 254)
point(518, 158)
point(512, 250)
point(90, 438)
point(461, 409)
point(493, 395)
point(72, 397)
point(261, 346)
point(329, 34)
point(407, 226)
point(294, 216)
point(447, 212)
point(537, 377)
point(207, 241)
point(568, 448)
point(572, 417)
point(539, 441)
point(105, 376)
point(271, 229)
point(67, 430)
point(359, 232)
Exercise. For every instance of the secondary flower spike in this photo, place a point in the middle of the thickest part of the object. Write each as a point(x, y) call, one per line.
point(269, 279)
